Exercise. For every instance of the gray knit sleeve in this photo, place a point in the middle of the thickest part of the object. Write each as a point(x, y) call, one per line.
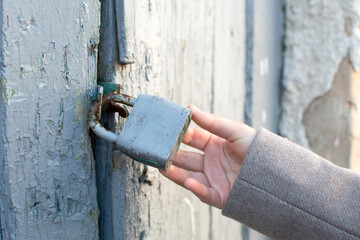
point(288, 192)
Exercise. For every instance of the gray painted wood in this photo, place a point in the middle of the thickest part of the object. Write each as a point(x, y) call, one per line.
point(48, 71)
point(189, 53)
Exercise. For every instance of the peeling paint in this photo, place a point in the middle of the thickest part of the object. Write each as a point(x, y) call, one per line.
point(4, 97)
point(333, 140)
point(66, 71)
point(318, 37)
point(81, 108)
point(49, 188)
point(10, 95)
point(37, 122)
point(61, 116)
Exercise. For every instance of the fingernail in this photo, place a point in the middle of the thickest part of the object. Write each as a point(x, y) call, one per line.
point(193, 107)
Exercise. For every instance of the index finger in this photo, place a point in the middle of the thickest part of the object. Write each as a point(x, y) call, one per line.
point(217, 125)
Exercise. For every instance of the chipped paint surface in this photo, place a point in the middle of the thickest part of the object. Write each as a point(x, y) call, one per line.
point(319, 35)
point(327, 119)
point(48, 72)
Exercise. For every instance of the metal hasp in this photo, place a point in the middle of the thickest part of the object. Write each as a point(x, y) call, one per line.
point(109, 87)
point(152, 132)
point(125, 26)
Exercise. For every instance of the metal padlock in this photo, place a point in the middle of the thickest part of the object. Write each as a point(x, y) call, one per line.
point(152, 132)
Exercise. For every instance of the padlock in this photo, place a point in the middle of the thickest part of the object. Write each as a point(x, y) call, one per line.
point(152, 132)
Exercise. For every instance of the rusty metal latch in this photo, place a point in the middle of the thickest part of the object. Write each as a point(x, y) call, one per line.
point(110, 102)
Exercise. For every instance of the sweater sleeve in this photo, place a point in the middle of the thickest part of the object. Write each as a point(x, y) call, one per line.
point(288, 192)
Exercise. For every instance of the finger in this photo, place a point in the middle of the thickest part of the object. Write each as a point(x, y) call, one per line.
point(191, 161)
point(197, 138)
point(217, 125)
point(179, 175)
point(176, 175)
point(206, 194)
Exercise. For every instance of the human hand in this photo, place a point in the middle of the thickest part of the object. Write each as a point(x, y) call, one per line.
point(210, 175)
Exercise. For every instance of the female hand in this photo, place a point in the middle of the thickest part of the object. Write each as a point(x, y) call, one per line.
point(210, 175)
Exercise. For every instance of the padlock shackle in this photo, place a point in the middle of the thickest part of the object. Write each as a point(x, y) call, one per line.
point(95, 113)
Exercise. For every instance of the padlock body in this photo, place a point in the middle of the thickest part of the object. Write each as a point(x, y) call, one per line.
point(154, 130)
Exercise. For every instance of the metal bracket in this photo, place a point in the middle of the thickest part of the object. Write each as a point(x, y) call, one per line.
point(125, 26)
point(102, 104)
point(107, 88)
point(110, 87)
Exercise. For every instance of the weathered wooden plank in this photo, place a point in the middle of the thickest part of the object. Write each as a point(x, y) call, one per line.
point(172, 61)
point(176, 57)
point(49, 68)
point(228, 86)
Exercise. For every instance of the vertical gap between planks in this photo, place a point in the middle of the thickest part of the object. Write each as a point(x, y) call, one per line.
point(249, 46)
